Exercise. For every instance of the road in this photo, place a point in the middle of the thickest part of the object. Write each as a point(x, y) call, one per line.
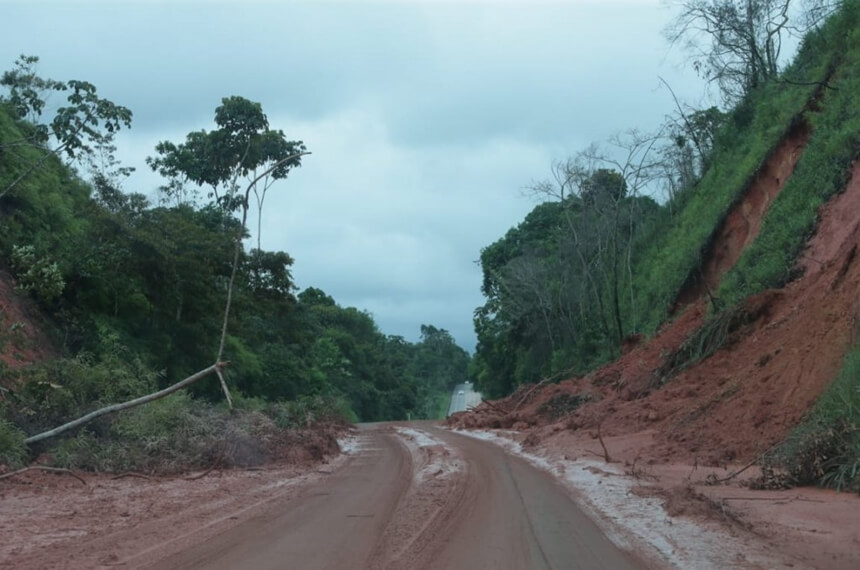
point(419, 498)
point(463, 398)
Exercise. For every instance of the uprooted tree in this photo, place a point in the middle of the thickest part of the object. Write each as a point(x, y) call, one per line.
point(242, 156)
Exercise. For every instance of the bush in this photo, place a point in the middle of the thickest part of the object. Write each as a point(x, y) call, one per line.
point(171, 435)
point(60, 390)
point(179, 433)
point(38, 275)
point(13, 451)
point(308, 410)
point(825, 449)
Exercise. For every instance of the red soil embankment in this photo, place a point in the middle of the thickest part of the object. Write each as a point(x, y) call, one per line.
point(742, 399)
point(743, 222)
point(675, 439)
point(22, 337)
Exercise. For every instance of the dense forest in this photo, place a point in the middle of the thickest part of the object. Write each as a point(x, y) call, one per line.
point(622, 227)
point(134, 285)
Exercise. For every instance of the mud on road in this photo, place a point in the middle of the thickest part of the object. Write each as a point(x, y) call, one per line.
point(409, 496)
point(400, 496)
point(415, 498)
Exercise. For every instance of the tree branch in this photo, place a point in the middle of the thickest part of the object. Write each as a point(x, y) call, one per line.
point(125, 405)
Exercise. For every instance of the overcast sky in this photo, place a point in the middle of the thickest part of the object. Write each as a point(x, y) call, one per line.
point(425, 119)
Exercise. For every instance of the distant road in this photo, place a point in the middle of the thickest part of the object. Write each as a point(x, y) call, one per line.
point(463, 398)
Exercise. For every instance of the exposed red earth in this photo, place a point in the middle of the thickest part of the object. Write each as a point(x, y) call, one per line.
point(414, 496)
point(411, 496)
point(743, 222)
point(726, 410)
point(614, 469)
point(24, 340)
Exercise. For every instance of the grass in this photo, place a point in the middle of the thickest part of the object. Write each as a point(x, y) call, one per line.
point(443, 404)
point(672, 253)
point(705, 341)
point(825, 448)
point(822, 171)
point(13, 452)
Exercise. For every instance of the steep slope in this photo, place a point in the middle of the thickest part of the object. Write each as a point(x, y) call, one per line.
point(781, 353)
point(764, 319)
point(22, 327)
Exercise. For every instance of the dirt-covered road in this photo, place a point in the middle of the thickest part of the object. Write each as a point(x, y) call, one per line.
point(415, 497)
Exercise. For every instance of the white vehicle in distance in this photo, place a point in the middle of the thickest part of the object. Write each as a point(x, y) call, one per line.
point(461, 393)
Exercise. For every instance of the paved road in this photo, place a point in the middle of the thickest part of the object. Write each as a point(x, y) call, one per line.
point(379, 511)
point(462, 402)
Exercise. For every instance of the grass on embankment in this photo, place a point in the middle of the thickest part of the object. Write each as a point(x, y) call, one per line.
point(673, 252)
point(821, 172)
point(825, 448)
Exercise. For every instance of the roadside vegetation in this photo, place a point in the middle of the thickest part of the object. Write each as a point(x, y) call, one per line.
point(825, 448)
point(134, 287)
point(579, 274)
point(624, 227)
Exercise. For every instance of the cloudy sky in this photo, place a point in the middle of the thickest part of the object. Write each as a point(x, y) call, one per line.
point(425, 119)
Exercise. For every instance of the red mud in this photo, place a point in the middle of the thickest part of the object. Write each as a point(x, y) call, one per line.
point(743, 222)
point(745, 397)
point(731, 407)
point(816, 528)
point(22, 337)
point(53, 521)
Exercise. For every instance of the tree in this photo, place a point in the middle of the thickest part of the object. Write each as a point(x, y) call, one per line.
point(742, 45)
point(239, 147)
point(85, 125)
point(242, 146)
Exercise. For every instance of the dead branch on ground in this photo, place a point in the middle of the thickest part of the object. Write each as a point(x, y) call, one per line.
point(494, 407)
point(44, 468)
point(131, 474)
point(603, 445)
point(758, 458)
point(530, 392)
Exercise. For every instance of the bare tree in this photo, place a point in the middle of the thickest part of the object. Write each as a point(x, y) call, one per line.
point(733, 43)
point(816, 11)
point(633, 156)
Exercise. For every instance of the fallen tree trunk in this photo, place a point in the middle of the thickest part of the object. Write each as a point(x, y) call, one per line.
point(219, 365)
point(126, 405)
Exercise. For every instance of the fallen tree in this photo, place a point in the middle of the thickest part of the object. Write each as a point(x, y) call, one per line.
point(245, 126)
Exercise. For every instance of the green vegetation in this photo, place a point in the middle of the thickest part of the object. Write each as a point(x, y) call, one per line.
point(825, 448)
point(13, 452)
point(567, 285)
point(136, 291)
point(823, 169)
point(443, 404)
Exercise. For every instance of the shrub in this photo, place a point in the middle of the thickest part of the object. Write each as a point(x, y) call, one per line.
point(308, 410)
point(171, 435)
point(38, 275)
point(825, 449)
point(13, 452)
point(54, 392)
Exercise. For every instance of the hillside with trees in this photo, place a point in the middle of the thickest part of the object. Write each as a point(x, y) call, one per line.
point(110, 294)
point(653, 257)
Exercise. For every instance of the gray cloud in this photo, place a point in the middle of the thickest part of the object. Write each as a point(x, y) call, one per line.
point(425, 119)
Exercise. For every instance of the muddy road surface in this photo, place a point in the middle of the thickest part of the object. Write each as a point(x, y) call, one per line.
point(416, 497)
